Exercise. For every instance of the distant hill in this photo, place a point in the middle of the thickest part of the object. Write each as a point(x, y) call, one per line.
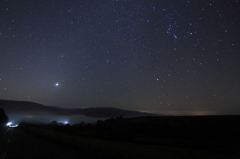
point(24, 108)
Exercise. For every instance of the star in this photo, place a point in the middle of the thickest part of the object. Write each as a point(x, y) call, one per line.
point(170, 48)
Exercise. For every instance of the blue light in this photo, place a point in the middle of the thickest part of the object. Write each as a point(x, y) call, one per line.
point(9, 123)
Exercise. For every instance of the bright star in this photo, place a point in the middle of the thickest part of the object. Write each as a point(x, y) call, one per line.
point(57, 84)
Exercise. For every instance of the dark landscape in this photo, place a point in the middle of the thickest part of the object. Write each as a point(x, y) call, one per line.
point(126, 137)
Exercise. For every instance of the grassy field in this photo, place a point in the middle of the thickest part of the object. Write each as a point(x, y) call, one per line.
point(96, 148)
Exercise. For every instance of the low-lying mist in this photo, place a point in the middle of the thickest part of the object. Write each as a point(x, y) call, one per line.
point(48, 118)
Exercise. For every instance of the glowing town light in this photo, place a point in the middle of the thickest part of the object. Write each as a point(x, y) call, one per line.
point(9, 123)
point(14, 126)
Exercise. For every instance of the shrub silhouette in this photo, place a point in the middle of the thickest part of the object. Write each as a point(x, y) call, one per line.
point(3, 118)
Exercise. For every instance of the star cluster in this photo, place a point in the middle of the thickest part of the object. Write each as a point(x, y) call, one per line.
point(172, 57)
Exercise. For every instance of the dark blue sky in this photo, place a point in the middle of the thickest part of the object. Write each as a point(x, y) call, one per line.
point(169, 56)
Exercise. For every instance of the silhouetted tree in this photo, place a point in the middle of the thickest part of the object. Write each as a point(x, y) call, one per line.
point(54, 122)
point(82, 124)
point(3, 118)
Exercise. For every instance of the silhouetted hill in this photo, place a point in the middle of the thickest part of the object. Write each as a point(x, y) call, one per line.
point(34, 109)
point(107, 112)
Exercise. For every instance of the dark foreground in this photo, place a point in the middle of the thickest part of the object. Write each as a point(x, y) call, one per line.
point(22, 144)
point(144, 137)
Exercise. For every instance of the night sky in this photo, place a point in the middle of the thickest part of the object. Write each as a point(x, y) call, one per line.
point(177, 57)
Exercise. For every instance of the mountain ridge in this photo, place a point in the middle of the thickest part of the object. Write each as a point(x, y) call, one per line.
point(31, 108)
